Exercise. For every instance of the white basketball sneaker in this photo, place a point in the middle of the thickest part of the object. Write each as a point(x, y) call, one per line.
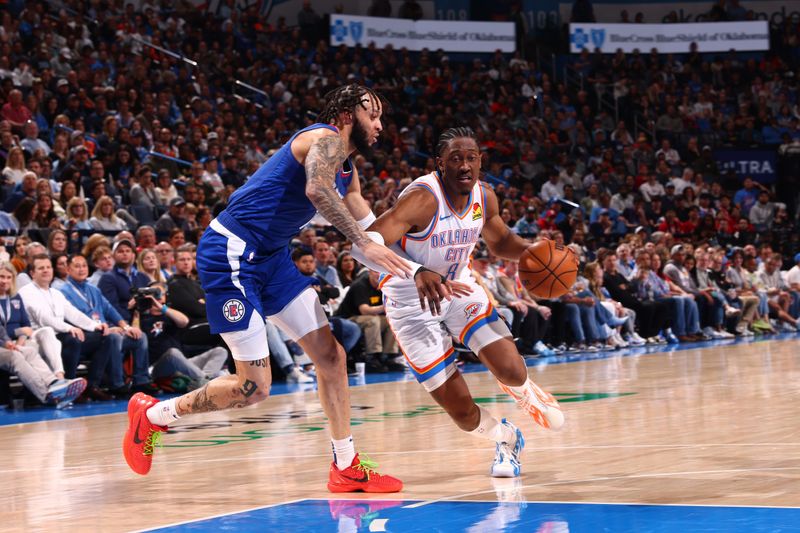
point(541, 405)
point(506, 456)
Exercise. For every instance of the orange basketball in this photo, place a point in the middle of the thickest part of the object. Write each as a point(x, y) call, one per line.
point(548, 270)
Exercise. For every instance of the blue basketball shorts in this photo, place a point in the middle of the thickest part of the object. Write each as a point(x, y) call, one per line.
point(239, 279)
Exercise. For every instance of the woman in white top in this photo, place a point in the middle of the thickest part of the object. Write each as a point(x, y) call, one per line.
point(165, 190)
point(103, 217)
point(15, 166)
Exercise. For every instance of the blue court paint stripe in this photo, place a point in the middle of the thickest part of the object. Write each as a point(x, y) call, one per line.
point(336, 515)
point(9, 417)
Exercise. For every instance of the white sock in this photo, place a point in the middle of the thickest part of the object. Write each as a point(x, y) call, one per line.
point(343, 452)
point(490, 429)
point(163, 413)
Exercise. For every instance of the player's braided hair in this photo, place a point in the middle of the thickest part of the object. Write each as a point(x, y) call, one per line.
point(453, 133)
point(344, 99)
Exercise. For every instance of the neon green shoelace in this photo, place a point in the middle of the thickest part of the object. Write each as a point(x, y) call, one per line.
point(153, 442)
point(366, 465)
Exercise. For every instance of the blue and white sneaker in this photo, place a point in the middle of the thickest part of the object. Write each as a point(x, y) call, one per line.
point(506, 458)
point(542, 350)
point(64, 391)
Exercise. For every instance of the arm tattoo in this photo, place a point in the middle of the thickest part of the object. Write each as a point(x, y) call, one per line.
point(322, 162)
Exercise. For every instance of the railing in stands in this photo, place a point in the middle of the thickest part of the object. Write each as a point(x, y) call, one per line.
point(163, 50)
point(573, 78)
point(170, 158)
point(72, 130)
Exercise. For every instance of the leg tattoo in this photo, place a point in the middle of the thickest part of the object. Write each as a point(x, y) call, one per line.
point(226, 394)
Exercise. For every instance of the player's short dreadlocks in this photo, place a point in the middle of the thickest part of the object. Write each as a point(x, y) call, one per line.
point(345, 99)
point(453, 133)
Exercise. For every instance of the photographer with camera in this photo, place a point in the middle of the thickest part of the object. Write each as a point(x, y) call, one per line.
point(162, 324)
point(124, 337)
point(116, 284)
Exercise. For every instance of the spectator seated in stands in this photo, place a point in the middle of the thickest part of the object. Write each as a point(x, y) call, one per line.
point(532, 321)
point(31, 250)
point(175, 218)
point(88, 299)
point(166, 258)
point(162, 324)
point(363, 304)
point(39, 368)
point(116, 284)
point(79, 334)
point(104, 218)
point(102, 261)
point(347, 332)
point(185, 294)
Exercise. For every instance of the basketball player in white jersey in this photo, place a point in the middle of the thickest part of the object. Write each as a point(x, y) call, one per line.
point(437, 221)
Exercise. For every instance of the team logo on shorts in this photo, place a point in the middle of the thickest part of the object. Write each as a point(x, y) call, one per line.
point(472, 310)
point(233, 310)
point(477, 212)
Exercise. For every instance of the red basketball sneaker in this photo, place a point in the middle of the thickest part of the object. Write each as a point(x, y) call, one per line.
point(142, 436)
point(541, 405)
point(361, 476)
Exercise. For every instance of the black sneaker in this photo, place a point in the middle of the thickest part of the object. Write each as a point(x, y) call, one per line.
point(375, 367)
point(148, 388)
point(391, 366)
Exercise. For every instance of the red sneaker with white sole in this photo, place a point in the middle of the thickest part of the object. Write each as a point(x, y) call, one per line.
point(142, 437)
point(361, 476)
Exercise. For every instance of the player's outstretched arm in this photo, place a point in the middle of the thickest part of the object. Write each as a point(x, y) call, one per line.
point(499, 238)
point(413, 212)
point(322, 161)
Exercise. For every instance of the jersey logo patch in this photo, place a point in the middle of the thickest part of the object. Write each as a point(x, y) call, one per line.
point(472, 310)
point(233, 310)
point(477, 212)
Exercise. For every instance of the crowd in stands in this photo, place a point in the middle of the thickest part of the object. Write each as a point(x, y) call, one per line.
point(123, 132)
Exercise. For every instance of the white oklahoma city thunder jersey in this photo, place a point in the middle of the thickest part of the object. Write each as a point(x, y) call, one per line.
point(446, 245)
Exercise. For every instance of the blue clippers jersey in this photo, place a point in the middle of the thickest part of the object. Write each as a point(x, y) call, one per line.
point(273, 205)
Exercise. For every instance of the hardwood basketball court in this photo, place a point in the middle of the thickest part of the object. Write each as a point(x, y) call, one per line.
point(706, 425)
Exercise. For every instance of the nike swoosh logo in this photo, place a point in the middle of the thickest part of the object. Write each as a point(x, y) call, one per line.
point(443, 218)
point(363, 479)
point(136, 439)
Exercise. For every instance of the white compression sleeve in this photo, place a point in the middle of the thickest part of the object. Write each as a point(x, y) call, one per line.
point(358, 255)
point(367, 221)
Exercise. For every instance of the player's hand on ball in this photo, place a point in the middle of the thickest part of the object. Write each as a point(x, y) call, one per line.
point(382, 256)
point(431, 288)
point(458, 289)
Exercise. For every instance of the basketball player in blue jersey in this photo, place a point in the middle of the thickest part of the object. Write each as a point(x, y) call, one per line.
point(246, 270)
point(436, 222)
